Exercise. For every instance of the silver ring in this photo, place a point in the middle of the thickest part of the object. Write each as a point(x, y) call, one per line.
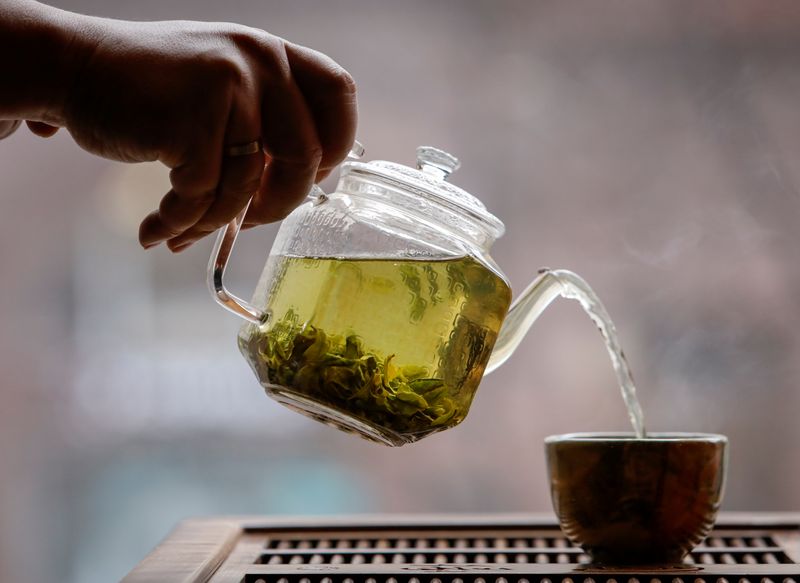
point(244, 149)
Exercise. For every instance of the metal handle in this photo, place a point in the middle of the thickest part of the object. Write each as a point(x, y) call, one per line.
point(216, 272)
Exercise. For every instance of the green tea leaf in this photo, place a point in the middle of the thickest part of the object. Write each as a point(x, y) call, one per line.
point(423, 386)
point(413, 372)
point(353, 347)
point(389, 370)
point(446, 410)
point(340, 372)
point(406, 395)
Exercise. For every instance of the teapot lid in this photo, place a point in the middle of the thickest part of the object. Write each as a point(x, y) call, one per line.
point(430, 180)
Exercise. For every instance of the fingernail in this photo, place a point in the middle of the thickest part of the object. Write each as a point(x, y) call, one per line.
point(150, 241)
point(177, 243)
point(181, 247)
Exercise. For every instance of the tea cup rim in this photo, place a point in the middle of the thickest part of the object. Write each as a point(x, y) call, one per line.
point(630, 437)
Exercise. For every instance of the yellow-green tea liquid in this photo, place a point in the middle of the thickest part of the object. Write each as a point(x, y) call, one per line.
point(398, 344)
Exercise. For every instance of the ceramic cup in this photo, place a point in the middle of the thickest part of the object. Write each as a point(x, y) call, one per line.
point(636, 501)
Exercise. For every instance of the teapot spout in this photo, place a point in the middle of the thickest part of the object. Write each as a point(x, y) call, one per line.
point(523, 313)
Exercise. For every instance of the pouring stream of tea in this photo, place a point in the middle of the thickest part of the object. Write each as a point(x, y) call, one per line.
point(554, 283)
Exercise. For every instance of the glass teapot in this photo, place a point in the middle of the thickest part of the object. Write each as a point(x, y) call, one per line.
point(379, 308)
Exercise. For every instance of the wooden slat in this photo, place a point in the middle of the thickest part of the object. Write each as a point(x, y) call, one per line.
point(368, 523)
point(443, 522)
point(191, 553)
point(431, 552)
point(790, 541)
point(385, 571)
point(248, 550)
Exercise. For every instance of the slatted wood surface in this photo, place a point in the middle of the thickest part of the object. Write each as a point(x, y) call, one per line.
point(743, 548)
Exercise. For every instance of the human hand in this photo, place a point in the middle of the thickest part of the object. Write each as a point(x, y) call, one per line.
point(8, 127)
point(184, 93)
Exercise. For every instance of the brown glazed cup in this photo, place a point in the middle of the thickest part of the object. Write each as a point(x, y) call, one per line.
point(630, 501)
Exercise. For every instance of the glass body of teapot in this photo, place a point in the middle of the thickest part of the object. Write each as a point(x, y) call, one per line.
point(379, 308)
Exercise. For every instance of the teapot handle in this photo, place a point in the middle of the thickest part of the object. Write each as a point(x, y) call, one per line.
point(216, 272)
point(222, 252)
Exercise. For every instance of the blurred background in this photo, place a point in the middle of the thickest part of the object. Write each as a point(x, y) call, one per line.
point(653, 147)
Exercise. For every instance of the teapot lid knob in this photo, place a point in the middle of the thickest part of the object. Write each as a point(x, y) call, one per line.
point(436, 162)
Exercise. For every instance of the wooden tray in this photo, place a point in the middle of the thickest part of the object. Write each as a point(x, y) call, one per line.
point(743, 548)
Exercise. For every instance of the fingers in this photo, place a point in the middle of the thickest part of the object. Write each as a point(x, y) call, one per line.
point(292, 144)
point(193, 187)
point(240, 176)
point(41, 129)
point(8, 127)
point(330, 94)
point(304, 113)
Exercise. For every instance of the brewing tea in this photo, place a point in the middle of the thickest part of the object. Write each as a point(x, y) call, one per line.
point(400, 344)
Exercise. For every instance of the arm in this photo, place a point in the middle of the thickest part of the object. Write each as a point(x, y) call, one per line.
point(42, 50)
point(182, 93)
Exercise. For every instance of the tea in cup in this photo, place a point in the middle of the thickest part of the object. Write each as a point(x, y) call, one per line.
point(629, 500)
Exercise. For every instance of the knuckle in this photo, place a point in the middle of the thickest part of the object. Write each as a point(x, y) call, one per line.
point(203, 229)
point(229, 70)
point(225, 66)
point(313, 154)
point(310, 155)
point(212, 221)
point(241, 188)
point(250, 39)
point(268, 51)
point(197, 189)
point(195, 185)
point(170, 225)
point(341, 82)
point(325, 75)
point(274, 55)
point(306, 155)
point(276, 64)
